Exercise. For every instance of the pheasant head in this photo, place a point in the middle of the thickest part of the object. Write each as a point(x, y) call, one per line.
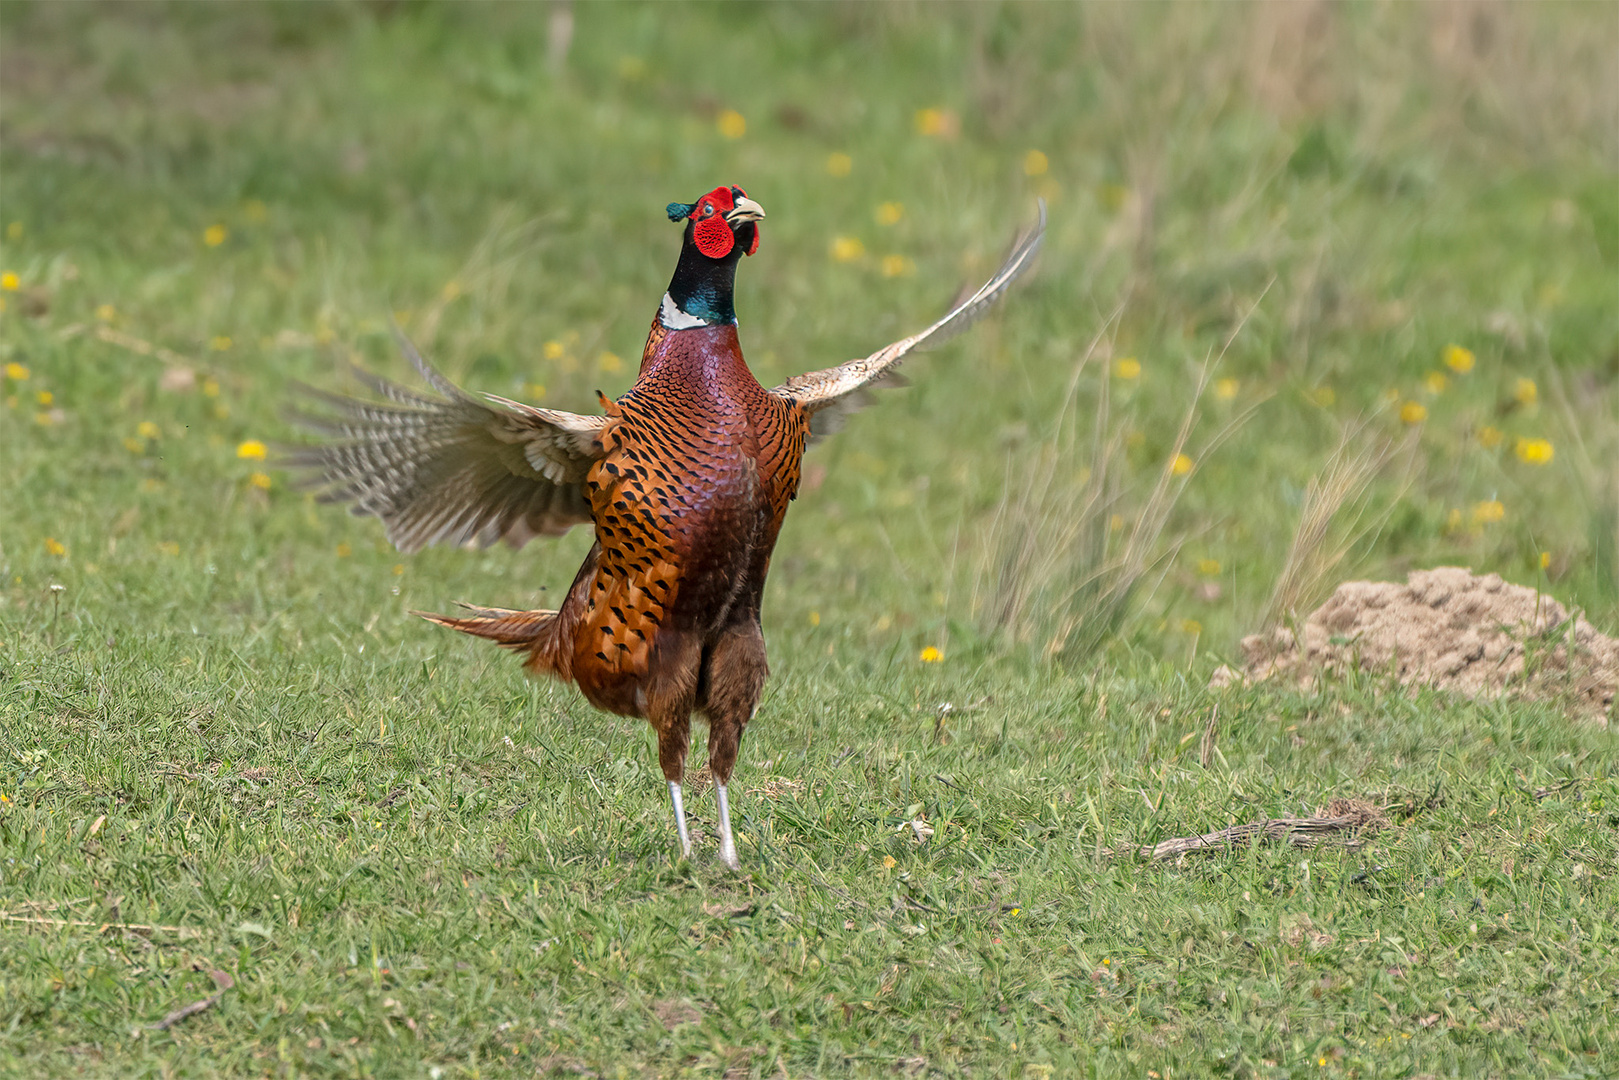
point(721, 227)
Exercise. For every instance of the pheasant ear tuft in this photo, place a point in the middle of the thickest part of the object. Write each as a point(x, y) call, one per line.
point(679, 211)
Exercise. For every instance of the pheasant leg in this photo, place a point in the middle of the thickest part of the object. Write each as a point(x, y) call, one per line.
point(680, 819)
point(727, 844)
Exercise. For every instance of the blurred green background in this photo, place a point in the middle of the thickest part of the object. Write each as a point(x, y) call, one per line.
point(1355, 265)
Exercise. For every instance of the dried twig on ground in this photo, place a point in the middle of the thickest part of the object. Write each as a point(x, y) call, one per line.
point(1356, 817)
point(221, 979)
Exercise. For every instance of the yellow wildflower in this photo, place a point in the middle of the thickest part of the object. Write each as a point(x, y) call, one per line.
point(1035, 163)
point(1180, 465)
point(1413, 412)
point(1488, 512)
point(10, 282)
point(732, 124)
point(219, 343)
point(1526, 392)
point(815, 618)
point(1226, 389)
point(1435, 382)
point(939, 123)
point(839, 164)
point(1534, 451)
point(536, 391)
point(344, 551)
point(399, 569)
point(552, 350)
point(214, 235)
point(889, 213)
point(106, 313)
point(134, 446)
point(847, 248)
point(148, 430)
point(451, 290)
point(1115, 523)
point(1208, 567)
point(1458, 359)
point(609, 362)
point(210, 387)
point(1325, 397)
point(897, 266)
point(1489, 437)
point(45, 397)
point(1545, 559)
point(251, 450)
point(1127, 368)
point(889, 862)
point(169, 547)
point(931, 655)
point(17, 372)
point(260, 480)
point(55, 546)
point(1191, 626)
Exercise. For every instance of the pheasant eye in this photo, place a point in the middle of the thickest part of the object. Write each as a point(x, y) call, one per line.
point(708, 211)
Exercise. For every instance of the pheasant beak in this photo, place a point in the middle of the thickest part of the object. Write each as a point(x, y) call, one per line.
point(745, 210)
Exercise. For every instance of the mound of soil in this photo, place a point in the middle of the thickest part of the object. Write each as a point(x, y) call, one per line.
point(1451, 629)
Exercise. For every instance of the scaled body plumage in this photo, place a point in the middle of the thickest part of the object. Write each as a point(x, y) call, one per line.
point(686, 480)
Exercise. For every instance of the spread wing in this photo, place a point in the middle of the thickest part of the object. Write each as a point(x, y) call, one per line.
point(830, 395)
point(450, 469)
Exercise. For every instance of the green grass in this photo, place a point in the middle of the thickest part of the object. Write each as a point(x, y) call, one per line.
point(414, 862)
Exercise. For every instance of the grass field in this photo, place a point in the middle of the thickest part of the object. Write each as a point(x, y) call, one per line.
point(225, 746)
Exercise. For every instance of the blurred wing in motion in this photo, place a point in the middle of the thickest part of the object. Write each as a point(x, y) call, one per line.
point(454, 469)
point(830, 395)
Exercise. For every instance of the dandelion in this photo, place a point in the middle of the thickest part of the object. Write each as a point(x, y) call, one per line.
point(219, 343)
point(1545, 559)
point(815, 618)
point(1435, 382)
point(609, 362)
point(1488, 512)
point(1534, 451)
point(889, 213)
point(17, 372)
point(260, 481)
point(847, 248)
point(889, 862)
point(897, 266)
point(251, 450)
point(1127, 368)
point(344, 551)
point(1489, 437)
point(451, 290)
point(732, 124)
point(148, 430)
point(839, 164)
point(399, 569)
point(931, 655)
point(10, 282)
point(1458, 359)
point(45, 397)
point(1226, 389)
point(552, 350)
point(1413, 412)
point(1208, 567)
point(55, 546)
point(106, 313)
point(214, 235)
point(1526, 392)
point(1180, 465)
point(1035, 163)
point(536, 391)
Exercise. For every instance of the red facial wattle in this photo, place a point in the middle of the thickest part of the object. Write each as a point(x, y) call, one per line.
point(712, 233)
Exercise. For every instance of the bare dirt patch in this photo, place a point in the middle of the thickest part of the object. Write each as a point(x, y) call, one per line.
point(1450, 629)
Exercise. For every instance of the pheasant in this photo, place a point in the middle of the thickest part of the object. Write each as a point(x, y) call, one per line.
point(686, 480)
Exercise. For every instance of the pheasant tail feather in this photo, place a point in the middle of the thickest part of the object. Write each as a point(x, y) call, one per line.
point(513, 629)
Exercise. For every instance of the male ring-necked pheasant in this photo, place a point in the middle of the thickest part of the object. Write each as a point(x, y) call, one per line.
point(686, 480)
